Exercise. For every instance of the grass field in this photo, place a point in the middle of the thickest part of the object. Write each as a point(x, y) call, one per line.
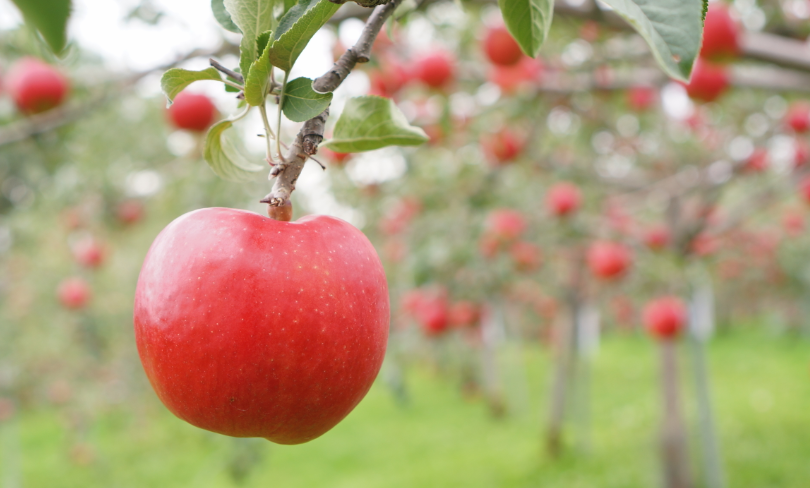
point(762, 398)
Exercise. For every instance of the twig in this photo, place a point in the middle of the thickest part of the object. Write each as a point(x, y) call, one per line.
point(233, 74)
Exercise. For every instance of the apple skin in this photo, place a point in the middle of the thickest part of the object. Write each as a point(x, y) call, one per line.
point(563, 199)
point(505, 225)
point(721, 36)
point(502, 148)
point(90, 253)
point(35, 86)
point(192, 111)
point(708, 81)
point(435, 69)
point(501, 48)
point(641, 98)
point(73, 293)
point(251, 327)
point(665, 317)
point(798, 117)
point(657, 237)
point(608, 260)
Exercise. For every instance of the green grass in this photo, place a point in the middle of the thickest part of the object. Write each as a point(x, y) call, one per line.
point(761, 389)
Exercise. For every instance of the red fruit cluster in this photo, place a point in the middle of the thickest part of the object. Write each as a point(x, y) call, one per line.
point(563, 199)
point(464, 313)
point(502, 147)
point(35, 86)
point(73, 293)
point(192, 111)
point(665, 317)
point(657, 238)
point(608, 260)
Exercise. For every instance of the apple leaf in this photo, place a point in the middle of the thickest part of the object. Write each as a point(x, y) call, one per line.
point(224, 157)
point(296, 28)
point(672, 28)
point(49, 17)
point(223, 17)
point(256, 82)
point(253, 17)
point(176, 80)
point(301, 102)
point(369, 123)
point(528, 21)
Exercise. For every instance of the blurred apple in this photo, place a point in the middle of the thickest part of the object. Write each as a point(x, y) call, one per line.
point(665, 317)
point(563, 199)
point(721, 34)
point(501, 48)
point(608, 260)
point(708, 81)
point(89, 252)
point(35, 86)
point(435, 69)
point(73, 293)
point(506, 225)
point(192, 111)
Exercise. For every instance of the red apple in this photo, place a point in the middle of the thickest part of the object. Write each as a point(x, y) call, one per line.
point(525, 255)
point(433, 314)
point(608, 260)
point(708, 81)
point(336, 157)
point(657, 237)
point(192, 111)
point(510, 78)
point(801, 152)
point(665, 317)
point(73, 293)
point(129, 212)
point(798, 117)
point(252, 327)
point(502, 148)
point(641, 98)
point(389, 78)
point(464, 314)
point(435, 69)
point(505, 225)
point(501, 48)
point(563, 199)
point(89, 253)
point(721, 35)
point(35, 86)
point(758, 161)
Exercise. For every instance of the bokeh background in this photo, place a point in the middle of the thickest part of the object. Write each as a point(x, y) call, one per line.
point(513, 361)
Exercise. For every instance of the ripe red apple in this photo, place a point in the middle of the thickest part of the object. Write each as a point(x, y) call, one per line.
point(464, 314)
point(505, 225)
point(389, 78)
point(525, 255)
point(563, 199)
point(35, 86)
point(608, 260)
point(721, 34)
point(641, 98)
point(665, 317)
point(657, 237)
point(192, 111)
point(501, 48)
point(89, 253)
point(73, 293)
point(336, 157)
point(129, 212)
point(435, 69)
point(758, 161)
point(510, 78)
point(252, 327)
point(798, 117)
point(433, 314)
point(502, 147)
point(708, 81)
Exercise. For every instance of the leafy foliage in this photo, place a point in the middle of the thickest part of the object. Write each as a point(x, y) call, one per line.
point(301, 102)
point(528, 21)
point(223, 17)
point(49, 17)
point(224, 157)
point(176, 80)
point(295, 30)
point(253, 17)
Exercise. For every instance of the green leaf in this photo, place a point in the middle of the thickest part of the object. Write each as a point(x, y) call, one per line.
point(253, 17)
point(672, 28)
point(49, 17)
point(301, 102)
point(256, 82)
point(528, 21)
point(176, 80)
point(223, 17)
point(369, 123)
point(224, 157)
point(296, 28)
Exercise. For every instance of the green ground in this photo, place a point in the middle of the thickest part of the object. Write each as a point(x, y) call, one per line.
point(762, 390)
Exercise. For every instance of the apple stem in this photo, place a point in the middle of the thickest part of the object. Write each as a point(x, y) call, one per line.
point(311, 134)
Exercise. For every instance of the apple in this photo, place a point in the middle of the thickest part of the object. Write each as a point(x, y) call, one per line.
point(336, 157)
point(505, 225)
point(35, 86)
point(464, 313)
point(525, 255)
point(435, 69)
point(798, 117)
point(192, 111)
point(252, 327)
point(657, 237)
point(129, 212)
point(608, 260)
point(433, 314)
point(641, 97)
point(721, 34)
point(389, 78)
point(758, 161)
point(73, 293)
point(563, 199)
point(708, 81)
point(510, 78)
point(801, 153)
point(665, 317)
point(502, 147)
point(501, 48)
point(89, 252)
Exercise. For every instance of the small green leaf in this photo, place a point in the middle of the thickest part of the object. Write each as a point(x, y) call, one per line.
point(528, 21)
point(223, 17)
point(49, 17)
point(256, 82)
point(224, 157)
point(369, 123)
point(253, 17)
point(176, 80)
point(672, 28)
point(301, 102)
point(296, 28)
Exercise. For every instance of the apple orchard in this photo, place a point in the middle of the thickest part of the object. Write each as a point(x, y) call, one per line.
point(563, 235)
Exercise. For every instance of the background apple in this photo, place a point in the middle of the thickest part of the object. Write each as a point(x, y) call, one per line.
point(608, 260)
point(501, 48)
point(665, 317)
point(73, 293)
point(192, 111)
point(35, 86)
point(563, 199)
point(435, 69)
